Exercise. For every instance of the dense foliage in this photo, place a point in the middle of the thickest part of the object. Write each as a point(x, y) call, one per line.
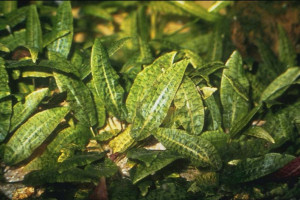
point(89, 93)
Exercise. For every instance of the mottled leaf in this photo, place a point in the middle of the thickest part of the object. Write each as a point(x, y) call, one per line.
point(163, 159)
point(32, 134)
point(122, 142)
point(200, 151)
point(115, 46)
point(79, 97)
point(16, 16)
point(54, 35)
point(12, 41)
point(144, 155)
point(22, 110)
point(189, 107)
point(34, 40)
point(234, 98)
point(280, 84)
point(253, 168)
point(5, 114)
point(259, 132)
point(107, 168)
point(63, 21)
point(155, 106)
point(106, 81)
point(4, 88)
point(195, 59)
point(144, 82)
point(78, 135)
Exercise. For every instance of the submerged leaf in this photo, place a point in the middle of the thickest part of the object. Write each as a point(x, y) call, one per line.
point(200, 151)
point(106, 81)
point(22, 111)
point(234, 98)
point(122, 142)
point(33, 33)
point(287, 53)
point(144, 82)
point(155, 106)
point(5, 114)
point(259, 132)
point(253, 168)
point(189, 107)
point(32, 133)
point(4, 88)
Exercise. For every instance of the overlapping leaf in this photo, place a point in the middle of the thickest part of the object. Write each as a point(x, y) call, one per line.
point(200, 151)
point(32, 133)
point(122, 142)
point(287, 54)
point(155, 106)
point(253, 168)
point(189, 107)
point(144, 82)
point(105, 80)
point(4, 88)
point(22, 111)
point(234, 91)
point(5, 114)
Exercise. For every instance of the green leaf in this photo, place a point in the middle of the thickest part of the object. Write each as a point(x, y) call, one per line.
point(196, 10)
point(155, 106)
point(17, 16)
point(106, 81)
point(218, 5)
point(77, 135)
point(32, 134)
point(79, 160)
point(8, 6)
point(122, 142)
point(280, 84)
point(144, 155)
point(217, 138)
point(200, 151)
point(215, 51)
point(115, 46)
point(253, 168)
point(79, 97)
point(22, 110)
point(234, 98)
point(189, 107)
point(163, 159)
point(63, 21)
point(287, 53)
point(54, 35)
point(107, 168)
point(144, 82)
point(12, 41)
point(97, 11)
point(241, 123)
point(259, 132)
point(195, 59)
point(4, 87)
point(34, 40)
point(5, 114)
point(4, 48)
point(31, 74)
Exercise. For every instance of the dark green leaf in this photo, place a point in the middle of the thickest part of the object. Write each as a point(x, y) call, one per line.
point(259, 132)
point(22, 110)
point(5, 114)
point(144, 155)
point(12, 41)
point(287, 53)
point(4, 88)
point(107, 168)
point(234, 99)
point(32, 133)
point(253, 168)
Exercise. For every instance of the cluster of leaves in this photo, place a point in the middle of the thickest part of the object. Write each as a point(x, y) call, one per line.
point(222, 121)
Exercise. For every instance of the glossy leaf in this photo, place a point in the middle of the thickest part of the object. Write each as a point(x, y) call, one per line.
point(54, 35)
point(79, 97)
point(122, 142)
point(32, 134)
point(78, 135)
point(287, 53)
point(4, 88)
point(155, 106)
point(196, 10)
point(189, 107)
point(33, 33)
point(163, 159)
point(280, 84)
point(105, 80)
point(259, 132)
point(234, 99)
point(22, 110)
point(200, 151)
point(144, 82)
point(253, 168)
point(63, 21)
